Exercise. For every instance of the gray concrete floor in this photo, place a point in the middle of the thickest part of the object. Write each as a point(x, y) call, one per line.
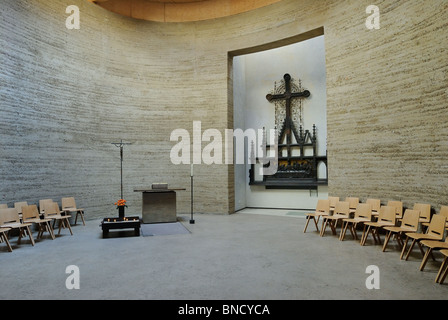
point(254, 254)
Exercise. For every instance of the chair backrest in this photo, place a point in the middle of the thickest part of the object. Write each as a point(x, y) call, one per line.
point(352, 201)
point(364, 210)
point(333, 201)
point(342, 207)
point(68, 202)
point(9, 215)
point(51, 209)
point(30, 212)
point(444, 211)
point(387, 214)
point(410, 219)
point(425, 210)
point(375, 203)
point(42, 204)
point(18, 205)
point(323, 206)
point(398, 207)
point(437, 226)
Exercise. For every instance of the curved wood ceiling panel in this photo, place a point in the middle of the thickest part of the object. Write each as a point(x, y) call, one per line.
point(180, 10)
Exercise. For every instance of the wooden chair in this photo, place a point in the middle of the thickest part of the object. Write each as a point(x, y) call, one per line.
point(4, 237)
point(42, 204)
point(398, 208)
point(353, 203)
point(386, 218)
point(376, 206)
point(322, 209)
point(443, 212)
point(18, 206)
point(363, 214)
point(435, 231)
point(432, 245)
point(52, 212)
point(9, 218)
point(425, 212)
point(69, 205)
point(333, 201)
point(30, 214)
point(443, 271)
point(341, 211)
point(408, 224)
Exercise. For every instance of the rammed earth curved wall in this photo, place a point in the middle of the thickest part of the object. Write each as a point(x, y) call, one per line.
point(66, 95)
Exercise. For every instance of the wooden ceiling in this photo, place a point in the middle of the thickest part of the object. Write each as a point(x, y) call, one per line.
point(180, 10)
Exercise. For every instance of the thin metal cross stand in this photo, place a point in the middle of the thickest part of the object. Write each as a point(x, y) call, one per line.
point(120, 145)
point(121, 222)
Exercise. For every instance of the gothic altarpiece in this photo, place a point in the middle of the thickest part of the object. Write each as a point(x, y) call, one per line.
point(298, 161)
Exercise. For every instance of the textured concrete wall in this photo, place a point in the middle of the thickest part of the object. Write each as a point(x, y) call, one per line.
point(388, 102)
point(67, 94)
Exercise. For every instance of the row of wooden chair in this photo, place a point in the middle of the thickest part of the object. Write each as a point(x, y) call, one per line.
point(23, 216)
point(68, 205)
point(414, 224)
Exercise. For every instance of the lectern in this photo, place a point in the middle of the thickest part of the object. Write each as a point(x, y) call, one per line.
point(159, 205)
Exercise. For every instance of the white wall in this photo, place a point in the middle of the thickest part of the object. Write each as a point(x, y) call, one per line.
point(254, 77)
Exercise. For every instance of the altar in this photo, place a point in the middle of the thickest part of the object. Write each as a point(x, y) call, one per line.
point(159, 204)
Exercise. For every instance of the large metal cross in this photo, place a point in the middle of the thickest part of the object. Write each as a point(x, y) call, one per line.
point(287, 96)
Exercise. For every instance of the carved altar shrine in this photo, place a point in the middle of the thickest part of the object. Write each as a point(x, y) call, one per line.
point(298, 160)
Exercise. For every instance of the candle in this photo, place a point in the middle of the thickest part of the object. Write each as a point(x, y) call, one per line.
point(191, 174)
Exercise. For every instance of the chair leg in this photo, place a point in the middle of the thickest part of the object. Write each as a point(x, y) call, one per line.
point(50, 230)
point(442, 271)
point(333, 225)
point(343, 230)
point(30, 235)
point(307, 222)
point(67, 223)
point(404, 248)
point(355, 234)
point(82, 217)
point(421, 248)
point(374, 235)
point(425, 259)
point(377, 232)
point(363, 240)
point(410, 249)
point(4, 237)
point(386, 240)
point(443, 276)
point(324, 227)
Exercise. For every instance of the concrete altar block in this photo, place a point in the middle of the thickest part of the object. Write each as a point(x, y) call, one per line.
point(159, 205)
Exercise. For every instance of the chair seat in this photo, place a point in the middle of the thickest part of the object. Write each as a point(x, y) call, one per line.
point(4, 229)
point(58, 216)
point(422, 236)
point(37, 220)
point(337, 217)
point(435, 244)
point(73, 209)
point(380, 224)
point(357, 220)
point(317, 214)
point(15, 225)
point(399, 229)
